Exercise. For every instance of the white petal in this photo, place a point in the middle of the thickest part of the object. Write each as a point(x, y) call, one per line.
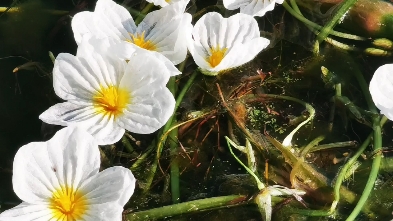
point(104, 212)
point(258, 7)
point(42, 167)
point(33, 178)
point(206, 29)
point(74, 155)
point(27, 212)
point(152, 103)
point(242, 53)
point(238, 34)
point(161, 3)
point(148, 114)
point(235, 4)
point(101, 127)
point(165, 28)
point(113, 185)
point(180, 51)
point(241, 28)
point(78, 78)
point(109, 20)
point(117, 15)
point(381, 88)
point(199, 54)
point(129, 51)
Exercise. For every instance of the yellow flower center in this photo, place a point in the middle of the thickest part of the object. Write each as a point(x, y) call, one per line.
point(216, 56)
point(111, 100)
point(139, 39)
point(67, 204)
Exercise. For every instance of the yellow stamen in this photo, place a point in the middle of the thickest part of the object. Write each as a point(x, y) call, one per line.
point(139, 39)
point(216, 56)
point(68, 204)
point(111, 100)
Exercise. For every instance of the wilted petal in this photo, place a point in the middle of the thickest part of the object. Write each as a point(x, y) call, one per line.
point(264, 202)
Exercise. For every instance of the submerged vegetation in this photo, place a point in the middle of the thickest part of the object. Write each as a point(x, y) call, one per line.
point(293, 133)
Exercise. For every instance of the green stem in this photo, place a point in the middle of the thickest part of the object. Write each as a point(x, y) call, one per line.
point(366, 92)
point(337, 16)
point(307, 212)
point(175, 173)
point(341, 176)
point(312, 144)
point(318, 27)
point(259, 183)
point(186, 207)
point(136, 13)
point(175, 183)
point(338, 89)
point(327, 39)
point(144, 12)
point(333, 145)
point(167, 126)
point(127, 144)
point(143, 157)
point(377, 137)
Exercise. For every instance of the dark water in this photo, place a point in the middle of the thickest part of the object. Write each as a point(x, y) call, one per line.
point(207, 167)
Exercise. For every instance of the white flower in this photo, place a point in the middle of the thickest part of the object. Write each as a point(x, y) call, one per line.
point(381, 89)
point(222, 43)
point(59, 180)
point(164, 3)
point(264, 198)
point(106, 95)
point(252, 7)
point(164, 31)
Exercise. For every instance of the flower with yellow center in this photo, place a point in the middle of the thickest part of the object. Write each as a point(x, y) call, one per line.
point(107, 95)
point(59, 180)
point(220, 44)
point(139, 40)
point(111, 100)
point(164, 32)
point(68, 203)
point(216, 56)
point(252, 7)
